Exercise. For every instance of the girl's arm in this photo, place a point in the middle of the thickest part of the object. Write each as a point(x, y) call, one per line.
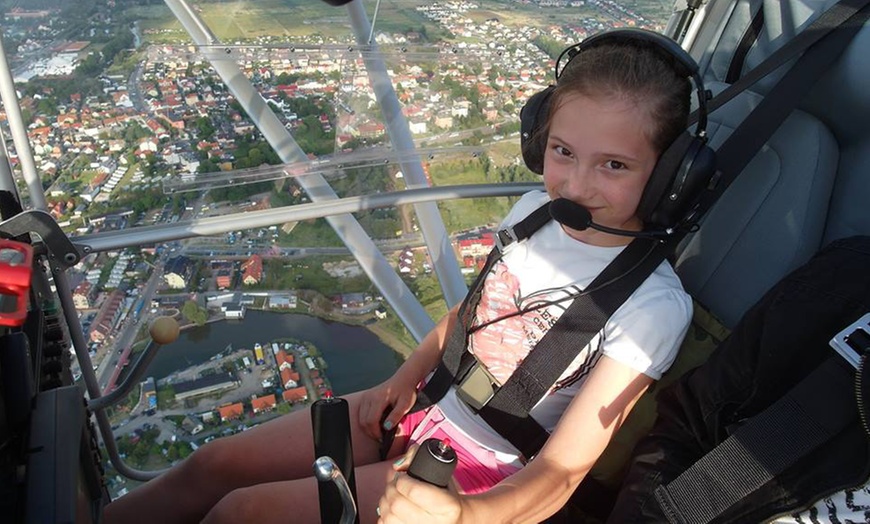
point(398, 393)
point(428, 354)
point(544, 486)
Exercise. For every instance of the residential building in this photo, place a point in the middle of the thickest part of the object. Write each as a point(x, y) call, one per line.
point(295, 395)
point(233, 411)
point(177, 272)
point(252, 270)
point(205, 385)
point(263, 404)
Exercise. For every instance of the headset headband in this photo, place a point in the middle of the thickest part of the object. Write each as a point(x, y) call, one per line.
point(688, 64)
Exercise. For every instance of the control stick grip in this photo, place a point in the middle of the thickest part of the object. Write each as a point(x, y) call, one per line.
point(434, 462)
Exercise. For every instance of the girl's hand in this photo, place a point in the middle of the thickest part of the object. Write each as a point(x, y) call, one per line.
point(410, 501)
point(396, 394)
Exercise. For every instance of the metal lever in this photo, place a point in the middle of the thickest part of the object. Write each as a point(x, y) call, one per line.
point(326, 470)
point(60, 247)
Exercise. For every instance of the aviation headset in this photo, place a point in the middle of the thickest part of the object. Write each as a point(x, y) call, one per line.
point(683, 169)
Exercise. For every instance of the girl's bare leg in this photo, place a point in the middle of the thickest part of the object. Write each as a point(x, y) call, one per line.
point(296, 501)
point(279, 450)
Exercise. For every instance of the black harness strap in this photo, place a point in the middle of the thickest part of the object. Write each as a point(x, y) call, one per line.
point(455, 361)
point(508, 410)
point(809, 415)
point(746, 42)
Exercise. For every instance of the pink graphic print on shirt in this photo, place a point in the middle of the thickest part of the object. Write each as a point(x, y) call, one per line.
point(503, 345)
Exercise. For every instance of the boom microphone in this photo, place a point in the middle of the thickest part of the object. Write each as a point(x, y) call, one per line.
point(577, 217)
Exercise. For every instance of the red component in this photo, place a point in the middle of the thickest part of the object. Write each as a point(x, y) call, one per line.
point(15, 272)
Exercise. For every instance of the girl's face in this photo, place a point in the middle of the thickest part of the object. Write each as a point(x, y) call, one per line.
point(599, 156)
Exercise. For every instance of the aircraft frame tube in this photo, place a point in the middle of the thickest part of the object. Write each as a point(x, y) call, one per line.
point(200, 227)
point(431, 225)
point(372, 261)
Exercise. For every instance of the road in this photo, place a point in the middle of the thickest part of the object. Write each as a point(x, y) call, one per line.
point(127, 335)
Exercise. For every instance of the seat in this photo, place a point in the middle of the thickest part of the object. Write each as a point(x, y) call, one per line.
point(771, 219)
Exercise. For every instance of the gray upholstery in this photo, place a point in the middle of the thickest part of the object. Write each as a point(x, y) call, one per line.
point(841, 99)
point(782, 20)
point(770, 220)
point(811, 183)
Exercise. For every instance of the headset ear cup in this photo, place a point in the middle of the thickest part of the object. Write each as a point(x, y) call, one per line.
point(533, 139)
point(662, 177)
point(681, 173)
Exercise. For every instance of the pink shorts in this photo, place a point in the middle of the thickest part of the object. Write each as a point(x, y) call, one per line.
point(477, 468)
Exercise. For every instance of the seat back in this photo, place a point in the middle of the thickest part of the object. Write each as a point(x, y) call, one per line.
point(806, 187)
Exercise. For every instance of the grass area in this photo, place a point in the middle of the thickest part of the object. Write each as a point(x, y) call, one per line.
point(466, 213)
point(244, 20)
point(309, 274)
point(166, 398)
point(394, 334)
point(121, 410)
point(311, 233)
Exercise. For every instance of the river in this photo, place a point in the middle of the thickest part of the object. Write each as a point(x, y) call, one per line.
point(356, 358)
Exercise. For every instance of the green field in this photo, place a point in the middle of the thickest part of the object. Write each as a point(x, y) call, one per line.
point(237, 20)
point(466, 213)
point(246, 20)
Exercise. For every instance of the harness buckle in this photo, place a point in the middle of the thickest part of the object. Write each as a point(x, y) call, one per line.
point(477, 387)
point(505, 238)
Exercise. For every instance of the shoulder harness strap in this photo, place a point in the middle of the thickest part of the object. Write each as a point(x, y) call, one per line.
point(508, 410)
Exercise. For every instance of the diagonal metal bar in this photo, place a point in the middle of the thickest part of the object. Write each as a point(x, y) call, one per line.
point(378, 269)
point(431, 225)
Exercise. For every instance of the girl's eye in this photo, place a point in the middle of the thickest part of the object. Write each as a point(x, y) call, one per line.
point(560, 150)
point(614, 164)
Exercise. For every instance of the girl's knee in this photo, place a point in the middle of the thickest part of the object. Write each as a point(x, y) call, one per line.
point(214, 460)
point(239, 505)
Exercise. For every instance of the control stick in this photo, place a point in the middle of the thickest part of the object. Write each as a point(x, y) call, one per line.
point(326, 470)
point(434, 462)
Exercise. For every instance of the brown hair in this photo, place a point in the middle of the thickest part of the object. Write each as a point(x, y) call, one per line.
point(638, 71)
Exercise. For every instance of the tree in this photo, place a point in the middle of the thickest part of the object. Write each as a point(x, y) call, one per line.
point(193, 313)
point(204, 128)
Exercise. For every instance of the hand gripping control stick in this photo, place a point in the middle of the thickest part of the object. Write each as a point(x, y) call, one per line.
point(434, 462)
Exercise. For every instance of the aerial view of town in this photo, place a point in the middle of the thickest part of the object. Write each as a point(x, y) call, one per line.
point(131, 126)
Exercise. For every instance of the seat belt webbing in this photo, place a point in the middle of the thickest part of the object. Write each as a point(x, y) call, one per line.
point(835, 16)
point(455, 361)
point(735, 69)
point(508, 410)
point(815, 410)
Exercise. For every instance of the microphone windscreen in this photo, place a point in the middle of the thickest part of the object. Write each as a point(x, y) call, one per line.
point(570, 214)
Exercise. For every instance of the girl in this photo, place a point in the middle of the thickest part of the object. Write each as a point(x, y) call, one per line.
point(615, 108)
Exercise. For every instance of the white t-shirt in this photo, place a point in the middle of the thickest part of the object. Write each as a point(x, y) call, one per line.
point(644, 334)
point(851, 505)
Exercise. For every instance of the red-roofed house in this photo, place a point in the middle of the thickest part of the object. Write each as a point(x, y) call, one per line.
point(224, 278)
point(231, 412)
point(289, 378)
point(252, 270)
point(264, 403)
point(284, 360)
point(295, 395)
